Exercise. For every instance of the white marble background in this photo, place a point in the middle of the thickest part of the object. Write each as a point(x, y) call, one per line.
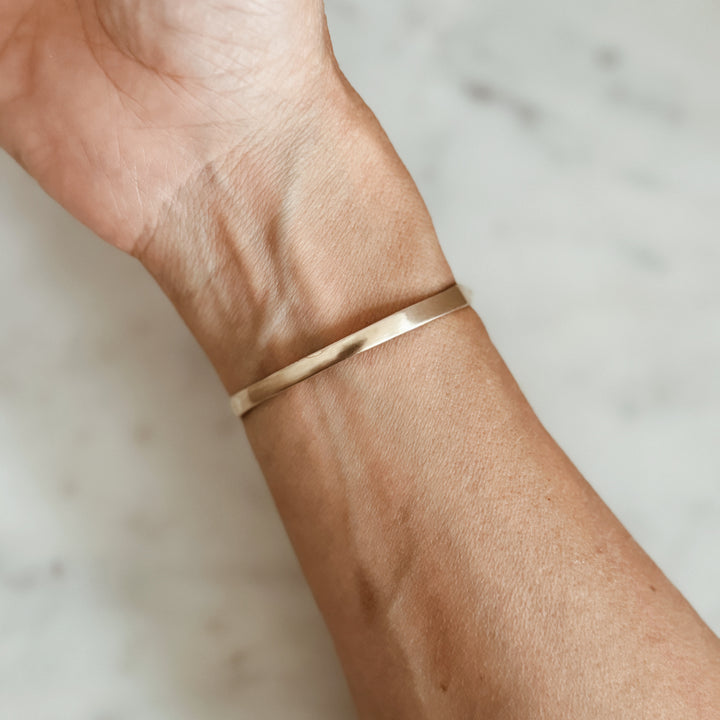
point(570, 154)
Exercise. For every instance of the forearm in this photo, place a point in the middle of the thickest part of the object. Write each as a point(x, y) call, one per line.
point(462, 564)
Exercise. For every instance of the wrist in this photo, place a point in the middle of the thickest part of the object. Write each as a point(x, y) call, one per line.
point(277, 251)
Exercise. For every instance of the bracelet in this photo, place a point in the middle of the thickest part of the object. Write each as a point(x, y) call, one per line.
point(373, 335)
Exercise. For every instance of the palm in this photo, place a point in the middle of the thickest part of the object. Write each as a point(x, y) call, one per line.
point(113, 105)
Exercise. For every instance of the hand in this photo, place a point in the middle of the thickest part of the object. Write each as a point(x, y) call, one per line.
point(116, 106)
point(220, 144)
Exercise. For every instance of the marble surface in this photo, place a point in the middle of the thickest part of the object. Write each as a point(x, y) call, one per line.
point(570, 155)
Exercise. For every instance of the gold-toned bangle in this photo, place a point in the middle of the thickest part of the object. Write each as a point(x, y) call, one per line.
point(373, 335)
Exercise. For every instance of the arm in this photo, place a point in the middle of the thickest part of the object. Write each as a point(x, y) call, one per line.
point(463, 566)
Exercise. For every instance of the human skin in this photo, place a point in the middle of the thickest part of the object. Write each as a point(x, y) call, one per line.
point(462, 564)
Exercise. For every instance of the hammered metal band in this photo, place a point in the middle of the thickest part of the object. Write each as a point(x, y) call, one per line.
point(373, 335)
